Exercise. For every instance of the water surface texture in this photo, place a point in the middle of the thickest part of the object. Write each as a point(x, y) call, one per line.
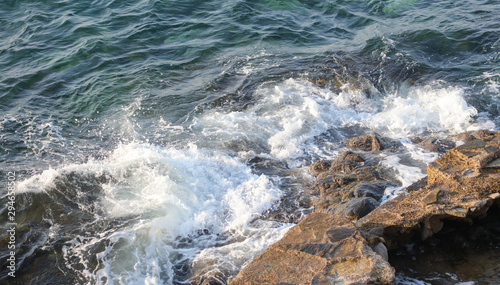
point(158, 141)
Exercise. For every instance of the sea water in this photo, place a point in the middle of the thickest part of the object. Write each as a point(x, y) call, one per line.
point(156, 142)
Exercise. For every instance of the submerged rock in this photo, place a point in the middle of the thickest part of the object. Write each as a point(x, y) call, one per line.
point(330, 246)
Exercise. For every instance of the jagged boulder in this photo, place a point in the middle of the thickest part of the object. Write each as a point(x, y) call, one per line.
point(373, 190)
point(346, 163)
point(372, 142)
point(319, 167)
point(366, 143)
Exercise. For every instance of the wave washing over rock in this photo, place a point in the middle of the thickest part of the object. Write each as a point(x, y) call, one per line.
point(346, 240)
point(233, 182)
point(168, 142)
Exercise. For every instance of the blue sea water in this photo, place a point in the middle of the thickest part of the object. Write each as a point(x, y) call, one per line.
point(153, 140)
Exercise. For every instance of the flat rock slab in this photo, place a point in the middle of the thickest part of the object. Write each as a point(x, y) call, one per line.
point(321, 249)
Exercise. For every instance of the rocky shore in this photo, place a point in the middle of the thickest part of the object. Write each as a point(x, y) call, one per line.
point(347, 238)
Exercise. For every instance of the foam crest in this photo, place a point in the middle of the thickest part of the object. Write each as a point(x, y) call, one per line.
point(405, 280)
point(427, 109)
point(286, 117)
point(38, 183)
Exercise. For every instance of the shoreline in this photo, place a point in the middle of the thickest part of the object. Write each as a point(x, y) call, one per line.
point(347, 238)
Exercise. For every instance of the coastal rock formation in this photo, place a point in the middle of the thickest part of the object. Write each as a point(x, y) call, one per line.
point(462, 184)
point(321, 249)
point(349, 187)
point(336, 244)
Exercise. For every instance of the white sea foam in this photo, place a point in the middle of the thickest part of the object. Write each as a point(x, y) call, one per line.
point(427, 109)
point(173, 193)
point(284, 120)
point(38, 183)
point(405, 174)
point(287, 117)
point(405, 280)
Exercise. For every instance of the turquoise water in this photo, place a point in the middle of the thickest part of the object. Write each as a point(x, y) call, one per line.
point(150, 138)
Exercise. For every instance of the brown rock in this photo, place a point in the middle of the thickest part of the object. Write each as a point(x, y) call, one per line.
point(436, 145)
point(348, 156)
point(340, 180)
point(494, 196)
point(346, 162)
point(494, 175)
point(361, 142)
point(373, 190)
point(474, 144)
point(368, 174)
point(417, 185)
point(381, 250)
point(467, 158)
point(428, 144)
point(351, 195)
point(325, 182)
point(415, 139)
point(321, 248)
point(318, 167)
point(457, 212)
point(281, 265)
point(494, 164)
point(432, 197)
point(366, 143)
point(355, 262)
point(435, 224)
point(344, 167)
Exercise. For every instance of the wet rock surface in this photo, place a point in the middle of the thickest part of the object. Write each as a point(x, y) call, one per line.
point(346, 240)
point(351, 187)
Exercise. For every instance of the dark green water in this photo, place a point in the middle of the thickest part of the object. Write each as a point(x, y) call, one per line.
point(149, 137)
